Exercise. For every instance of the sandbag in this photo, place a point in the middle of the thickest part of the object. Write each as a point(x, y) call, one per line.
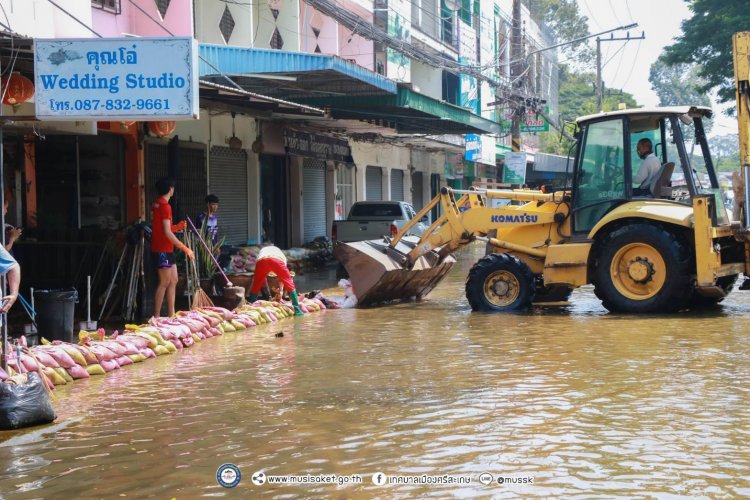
point(24, 405)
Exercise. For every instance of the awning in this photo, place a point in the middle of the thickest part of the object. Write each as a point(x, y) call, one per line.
point(290, 75)
point(408, 112)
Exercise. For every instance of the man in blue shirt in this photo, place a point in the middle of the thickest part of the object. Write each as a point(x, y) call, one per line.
point(12, 270)
point(210, 219)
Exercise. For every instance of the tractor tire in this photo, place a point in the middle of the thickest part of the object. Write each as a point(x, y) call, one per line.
point(552, 293)
point(643, 268)
point(725, 282)
point(500, 283)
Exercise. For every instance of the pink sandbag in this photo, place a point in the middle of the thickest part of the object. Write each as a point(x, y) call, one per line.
point(29, 363)
point(109, 365)
point(200, 335)
point(139, 342)
point(148, 352)
point(304, 308)
point(225, 313)
point(246, 321)
point(45, 358)
point(115, 347)
point(124, 360)
point(206, 333)
point(77, 371)
point(87, 354)
point(102, 353)
point(130, 347)
point(63, 358)
point(215, 331)
point(188, 342)
point(212, 321)
point(320, 303)
point(177, 343)
point(3, 375)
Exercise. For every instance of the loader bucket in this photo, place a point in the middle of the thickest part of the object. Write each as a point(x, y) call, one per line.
point(378, 276)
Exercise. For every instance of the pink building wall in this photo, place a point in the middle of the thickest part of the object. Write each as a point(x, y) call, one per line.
point(131, 21)
point(334, 39)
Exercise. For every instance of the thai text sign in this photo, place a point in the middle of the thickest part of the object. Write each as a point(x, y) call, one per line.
point(531, 121)
point(317, 146)
point(116, 78)
point(515, 168)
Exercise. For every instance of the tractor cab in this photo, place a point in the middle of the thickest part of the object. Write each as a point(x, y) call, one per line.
point(674, 164)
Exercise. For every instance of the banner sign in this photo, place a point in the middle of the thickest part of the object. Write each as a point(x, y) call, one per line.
point(515, 168)
point(145, 79)
point(531, 122)
point(473, 147)
point(320, 147)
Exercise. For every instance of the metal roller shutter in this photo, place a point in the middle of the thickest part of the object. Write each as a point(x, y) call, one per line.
point(373, 183)
point(228, 181)
point(191, 183)
point(416, 189)
point(314, 199)
point(397, 185)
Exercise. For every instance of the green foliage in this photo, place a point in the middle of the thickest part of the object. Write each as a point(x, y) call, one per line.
point(707, 40)
point(206, 266)
point(678, 84)
point(577, 98)
point(564, 19)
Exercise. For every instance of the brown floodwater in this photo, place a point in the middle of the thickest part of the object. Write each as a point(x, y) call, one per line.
point(584, 402)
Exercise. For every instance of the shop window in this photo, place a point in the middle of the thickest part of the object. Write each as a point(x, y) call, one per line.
point(108, 5)
point(451, 88)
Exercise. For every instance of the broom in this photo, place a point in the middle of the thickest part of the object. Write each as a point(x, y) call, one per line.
point(200, 298)
point(230, 291)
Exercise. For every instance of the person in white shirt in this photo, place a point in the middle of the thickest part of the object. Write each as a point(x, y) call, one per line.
point(649, 170)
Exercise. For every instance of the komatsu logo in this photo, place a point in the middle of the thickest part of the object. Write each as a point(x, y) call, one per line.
point(519, 219)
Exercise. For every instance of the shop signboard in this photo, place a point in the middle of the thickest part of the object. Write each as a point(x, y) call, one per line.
point(531, 122)
point(316, 146)
point(145, 79)
point(473, 147)
point(515, 168)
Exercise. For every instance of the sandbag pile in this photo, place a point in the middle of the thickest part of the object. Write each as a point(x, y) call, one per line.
point(59, 363)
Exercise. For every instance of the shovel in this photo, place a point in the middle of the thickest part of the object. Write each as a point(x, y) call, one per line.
point(88, 325)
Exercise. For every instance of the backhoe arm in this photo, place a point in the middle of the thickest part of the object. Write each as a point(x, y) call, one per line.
point(741, 45)
point(469, 216)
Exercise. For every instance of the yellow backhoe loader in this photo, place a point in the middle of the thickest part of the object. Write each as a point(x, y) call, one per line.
point(671, 248)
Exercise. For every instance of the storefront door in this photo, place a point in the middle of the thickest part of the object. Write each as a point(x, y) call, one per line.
point(374, 183)
point(228, 181)
point(274, 199)
point(313, 199)
point(397, 185)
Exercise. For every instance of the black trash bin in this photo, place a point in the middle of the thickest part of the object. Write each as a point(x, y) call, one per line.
point(55, 310)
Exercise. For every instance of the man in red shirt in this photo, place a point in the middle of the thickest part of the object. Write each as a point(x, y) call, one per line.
point(163, 242)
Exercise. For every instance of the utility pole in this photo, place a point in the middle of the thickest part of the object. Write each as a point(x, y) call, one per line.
point(515, 77)
point(599, 84)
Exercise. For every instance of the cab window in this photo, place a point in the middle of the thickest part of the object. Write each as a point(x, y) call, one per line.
point(600, 180)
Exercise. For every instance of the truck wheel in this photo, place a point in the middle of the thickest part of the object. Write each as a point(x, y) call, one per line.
point(499, 282)
point(725, 282)
point(643, 268)
point(552, 293)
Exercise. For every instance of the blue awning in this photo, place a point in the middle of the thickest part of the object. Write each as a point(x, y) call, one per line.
point(290, 75)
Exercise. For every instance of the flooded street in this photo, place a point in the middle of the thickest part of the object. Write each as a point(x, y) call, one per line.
point(580, 400)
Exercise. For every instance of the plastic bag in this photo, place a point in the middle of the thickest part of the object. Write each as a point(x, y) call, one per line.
point(26, 404)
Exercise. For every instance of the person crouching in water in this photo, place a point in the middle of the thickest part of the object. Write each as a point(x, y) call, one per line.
point(163, 242)
point(272, 259)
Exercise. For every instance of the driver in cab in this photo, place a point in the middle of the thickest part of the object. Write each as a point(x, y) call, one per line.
point(649, 170)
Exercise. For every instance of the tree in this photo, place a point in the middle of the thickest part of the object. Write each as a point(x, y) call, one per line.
point(678, 84)
point(707, 40)
point(564, 19)
point(577, 98)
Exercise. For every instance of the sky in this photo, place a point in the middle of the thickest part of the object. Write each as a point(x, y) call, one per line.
point(627, 66)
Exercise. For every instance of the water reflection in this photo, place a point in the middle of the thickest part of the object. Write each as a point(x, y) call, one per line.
point(584, 401)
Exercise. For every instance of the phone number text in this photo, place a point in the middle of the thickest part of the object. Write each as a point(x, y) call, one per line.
point(109, 104)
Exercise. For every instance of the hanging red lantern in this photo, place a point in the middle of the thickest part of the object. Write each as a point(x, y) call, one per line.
point(163, 128)
point(16, 89)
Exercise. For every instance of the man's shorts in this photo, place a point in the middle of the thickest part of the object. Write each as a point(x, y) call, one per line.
point(163, 260)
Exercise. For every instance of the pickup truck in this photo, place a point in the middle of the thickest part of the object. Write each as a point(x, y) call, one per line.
point(371, 220)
